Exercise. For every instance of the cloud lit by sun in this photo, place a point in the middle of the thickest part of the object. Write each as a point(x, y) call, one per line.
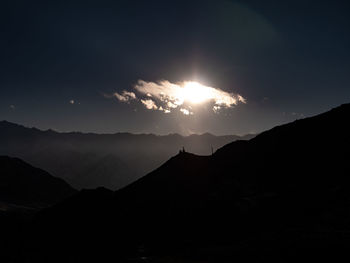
point(166, 96)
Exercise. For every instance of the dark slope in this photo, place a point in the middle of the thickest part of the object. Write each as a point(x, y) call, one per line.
point(23, 184)
point(295, 156)
point(93, 160)
point(24, 190)
point(280, 196)
point(289, 159)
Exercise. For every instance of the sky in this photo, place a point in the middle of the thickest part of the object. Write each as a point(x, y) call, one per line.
point(224, 67)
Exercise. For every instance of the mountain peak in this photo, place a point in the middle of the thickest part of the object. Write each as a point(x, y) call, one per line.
point(5, 122)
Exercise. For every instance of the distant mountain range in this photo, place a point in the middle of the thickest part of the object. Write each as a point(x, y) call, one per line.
point(94, 160)
point(282, 196)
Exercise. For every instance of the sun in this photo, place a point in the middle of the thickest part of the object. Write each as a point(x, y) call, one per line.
point(195, 93)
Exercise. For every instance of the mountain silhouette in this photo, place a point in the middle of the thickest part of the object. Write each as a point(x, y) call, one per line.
point(93, 160)
point(281, 196)
point(24, 189)
point(23, 184)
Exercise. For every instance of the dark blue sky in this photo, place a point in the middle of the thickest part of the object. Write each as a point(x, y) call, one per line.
point(289, 59)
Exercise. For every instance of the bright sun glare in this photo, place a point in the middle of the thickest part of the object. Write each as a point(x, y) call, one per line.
point(195, 93)
point(166, 96)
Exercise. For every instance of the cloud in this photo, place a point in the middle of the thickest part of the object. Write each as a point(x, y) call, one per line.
point(216, 108)
point(149, 104)
point(166, 96)
point(241, 99)
point(171, 96)
point(186, 112)
point(125, 96)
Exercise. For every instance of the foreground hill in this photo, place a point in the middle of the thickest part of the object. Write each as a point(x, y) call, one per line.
point(93, 160)
point(23, 185)
point(281, 196)
point(24, 190)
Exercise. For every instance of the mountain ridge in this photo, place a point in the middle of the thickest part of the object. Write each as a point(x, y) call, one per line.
point(282, 193)
point(13, 124)
point(93, 160)
point(23, 184)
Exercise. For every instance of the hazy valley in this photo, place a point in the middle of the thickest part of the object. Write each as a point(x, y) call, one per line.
point(93, 160)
